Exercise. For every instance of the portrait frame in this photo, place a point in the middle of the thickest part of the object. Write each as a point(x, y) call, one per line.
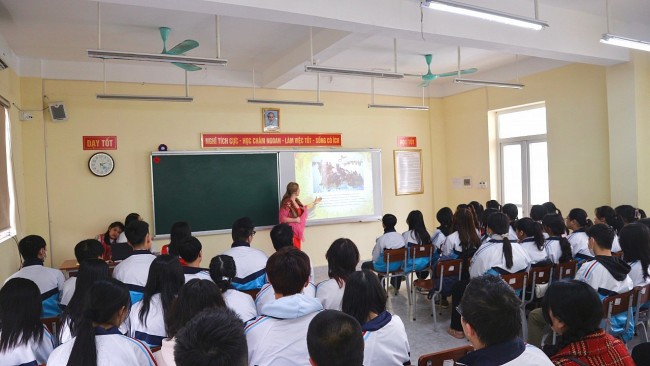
point(267, 124)
point(408, 172)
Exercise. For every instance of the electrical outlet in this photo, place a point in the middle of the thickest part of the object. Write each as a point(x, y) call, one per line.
point(482, 185)
point(26, 116)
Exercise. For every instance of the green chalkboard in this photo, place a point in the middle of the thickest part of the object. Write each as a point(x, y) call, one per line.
point(211, 190)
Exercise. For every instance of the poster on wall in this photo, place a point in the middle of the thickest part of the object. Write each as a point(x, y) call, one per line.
point(408, 172)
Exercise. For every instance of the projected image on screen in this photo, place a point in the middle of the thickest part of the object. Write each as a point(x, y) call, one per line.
point(342, 179)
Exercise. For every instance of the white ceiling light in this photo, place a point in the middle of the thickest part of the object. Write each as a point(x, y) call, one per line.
point(155, 57)
point(393, 106)
point(354, 72)
point(487, 14)
point(290, 102)
point(146, 98)
point(614, 40)
point(497, 84)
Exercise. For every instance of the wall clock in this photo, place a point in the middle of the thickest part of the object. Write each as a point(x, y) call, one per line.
point(101, 164)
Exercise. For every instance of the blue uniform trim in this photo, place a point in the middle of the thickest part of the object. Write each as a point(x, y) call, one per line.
point(50, 303)
point(251, 282)
point(150, 340)
point(33, 363)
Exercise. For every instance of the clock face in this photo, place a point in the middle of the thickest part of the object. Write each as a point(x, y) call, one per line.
point(101, 164)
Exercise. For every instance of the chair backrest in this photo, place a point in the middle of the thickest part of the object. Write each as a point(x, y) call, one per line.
point(540, 275)
point(421, 251)
point(53, 324)
point(642, 295)
point(448, 268)
point(394, 255)
point(617, 304)
point(516, 280)
point(566, 269)
point(437, 358)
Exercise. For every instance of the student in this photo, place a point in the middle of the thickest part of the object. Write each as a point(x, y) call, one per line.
point(478, 211)
point(90, 271)
point(134, 270)
point(512, 212)
point(193, 297)
point(109, 238)
point(417, 234)
point(558, 247)
point(627, 213)
point(490, 318)
point(391, 239)
point(278, 336)
point(578, 222)
point(99, 341)
point(445, 217)
point(385, 337)
point(23, 339)
point(607, 215)
point(121, 249)
point(212, 338)
point(483, 230)
point(281, 236)
point(464, 238)
point(132, 217)
point(537, 213)
point(178, 233)
point(222, 271)
point(635, 242)
point(335, 339)
point(191, 252)
point(147, 317)
point(49, 280)
point(551, 209)
point(250, 262)
point(574, 311)
point(342, 259)
point(531, 238)
point(493, 204)
point(85, 249)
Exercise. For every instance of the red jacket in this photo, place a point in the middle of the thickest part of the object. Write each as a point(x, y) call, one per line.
point(596, 349)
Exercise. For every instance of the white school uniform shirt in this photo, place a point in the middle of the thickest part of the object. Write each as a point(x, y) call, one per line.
point(267, 295)
point(388, 345)
point(330, 294)
point(438, 238)
point(616, 246)
point(112, 349)
point(390, 240)
point(533, 252)
point(553, 249)
point(597, 276)
point(134, 270)
point(33, 352)
point(68, 290)
point(512, 234)
point(580, 243)
point(154, 331)
point(532, 356)
point(636, 274)
point(241, 303)
point(452, 243)
point(250, 262)
point(49, 281)
point(490, 255)
point(196, 272)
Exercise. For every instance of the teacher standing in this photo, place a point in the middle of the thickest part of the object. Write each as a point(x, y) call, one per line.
point(294, 213)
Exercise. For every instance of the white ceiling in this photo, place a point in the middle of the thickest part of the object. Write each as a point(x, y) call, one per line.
point(50, 38)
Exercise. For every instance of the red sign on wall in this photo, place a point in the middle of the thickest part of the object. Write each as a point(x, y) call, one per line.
point(407, 141)
point(209, 140)
point(100, 142)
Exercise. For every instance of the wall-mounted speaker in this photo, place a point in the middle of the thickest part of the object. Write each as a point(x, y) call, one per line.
point(58, 112)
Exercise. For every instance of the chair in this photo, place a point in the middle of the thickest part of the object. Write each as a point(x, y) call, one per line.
point(642, 295)
point(444, 268)
point(53, 324)
point(518, 282)
point(618, 304)
point(566, 269)
point(155, 349)
point(416, 251)
point(618, 254)
point(539, 276)
point(437, 358)
point(392, 256)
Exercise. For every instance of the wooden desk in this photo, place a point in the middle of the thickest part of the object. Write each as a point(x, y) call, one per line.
point(70, 267)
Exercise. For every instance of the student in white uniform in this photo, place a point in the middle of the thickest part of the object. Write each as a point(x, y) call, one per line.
point(99, 341)
point(512, 212)
point(278, 336)
point(531, 238)
point(90, 271)
point(49, 280)
point(558, 248)
point(335, 338)
point(490, 318)
point(134, 270)
point(628, 214)
point(445, 217)
point(391, 239)
point(537, 213)
point(418, 234)
point(147, 317)
point(385, 340)
point(222, 270)
point(635, 242)
point(85, 249)
point(194, 297)
point(250, 261)
point(191, 251)
point(23, 339)
point(578, 223)
point(120, 250)
point(607, 215)
point(342, 259)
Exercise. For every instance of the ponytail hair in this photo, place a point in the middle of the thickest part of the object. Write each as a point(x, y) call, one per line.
point(499, 223)
point(222, 271)
point(554, 225)
point(537, 212)
point(628, 213)
point(531, 229)
point(103, 301)
point(609, 216)
point(580, 216)
point(493, 204)
point(445, 218)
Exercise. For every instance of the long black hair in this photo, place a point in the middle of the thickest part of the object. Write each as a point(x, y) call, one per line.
point(105, 299)
point(554, 226)
point(179, 232)
point(20, 314)
point(580, 216)
point(415, 221)
point(90, 271)
point(635, 243)
point(363, 294)
point(445, 217)
point(628, 213)
point(609, 216)
point(342, 259)
point(165, 278)
point(107, 237)
point(537, 212)
point(512, 211)
point(193, 297)
point(532, 229)
point(222, 270)
point(499, 223)
point(551, 209)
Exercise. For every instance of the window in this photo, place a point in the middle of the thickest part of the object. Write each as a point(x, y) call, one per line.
point(7, 226)
point(523, 157)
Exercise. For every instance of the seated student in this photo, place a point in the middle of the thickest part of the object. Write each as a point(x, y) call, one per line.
point(635, 242)
point(179, 232)
point(578, 223)
point(121, 249)
point(85, 249)
point(49, 280)
point(537, 213)
point(490, 317)
point(445, 218)
point(147, 317)
point(99, 341)
point(558, 247)
point(23, 339)
point(250, 262)
point(418, 234)
point(627, 213)
point(342, 259)
point(464, 239)
point(335, 339)
point(134, 270)
point(278, 336)
point(193, 297)
point(385, 337)
point(90, 271)
point(512, 212)
point(109, 238)
point(574, 311)
point(281, 236)
point(222, 271)
point(531, 238)
point(607, 215)
point(391, 239)
point(212, 338)
point(191, 252)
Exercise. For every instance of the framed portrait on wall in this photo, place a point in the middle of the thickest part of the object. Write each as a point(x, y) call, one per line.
point(271, 119)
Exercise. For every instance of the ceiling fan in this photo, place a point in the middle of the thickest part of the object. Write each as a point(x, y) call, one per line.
point(429, 76)
point(179, 49)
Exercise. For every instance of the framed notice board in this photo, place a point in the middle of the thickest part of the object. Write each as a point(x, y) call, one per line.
point(211, 189)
